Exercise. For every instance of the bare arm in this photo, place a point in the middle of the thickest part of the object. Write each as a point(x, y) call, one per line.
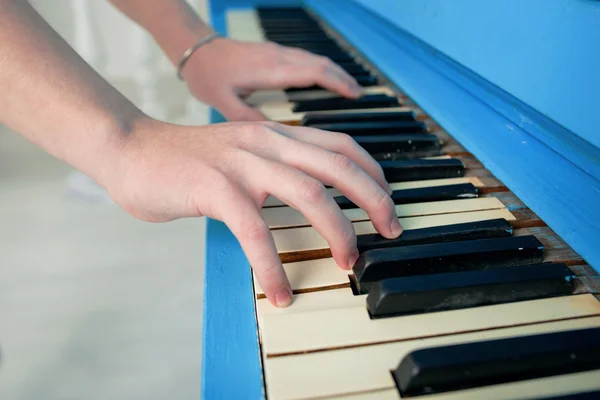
point(159, 172)
point(223, 70)
point(51, 96)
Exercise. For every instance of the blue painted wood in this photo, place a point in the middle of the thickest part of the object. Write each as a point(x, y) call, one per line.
point(230, 351)
point(478, 114)
point(544, 52)
point(231, 359)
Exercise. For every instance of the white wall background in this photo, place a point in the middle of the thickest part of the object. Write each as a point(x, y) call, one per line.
point(117, 53)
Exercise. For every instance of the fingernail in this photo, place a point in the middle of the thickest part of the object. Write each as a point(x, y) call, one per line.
point(283, 298)
point(353, 258)
point(389, 189)
point(395, 227)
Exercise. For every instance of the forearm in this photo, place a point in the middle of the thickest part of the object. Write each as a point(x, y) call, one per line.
point(173, 23)
point(52, 97)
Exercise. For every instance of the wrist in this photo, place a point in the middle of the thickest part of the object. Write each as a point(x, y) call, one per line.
point(203, 42)
point(177, 30)
point(107, 156)
point(202, 56)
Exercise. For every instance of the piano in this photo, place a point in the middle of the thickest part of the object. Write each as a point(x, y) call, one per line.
point(484, 118)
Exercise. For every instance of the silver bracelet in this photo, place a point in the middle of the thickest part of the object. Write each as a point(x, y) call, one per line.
point(191, 50)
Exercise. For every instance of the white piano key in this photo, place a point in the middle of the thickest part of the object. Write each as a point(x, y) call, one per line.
point(283, 112)
point(274, 202)
point(312, 274)
point(367, 369)
point(313, 301)
point(244, 25)
point(384, 394)
point(288, 217)
point(335, 328)
point(307, 239)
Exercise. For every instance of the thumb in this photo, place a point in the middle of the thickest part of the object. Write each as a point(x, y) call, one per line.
point(235, 109)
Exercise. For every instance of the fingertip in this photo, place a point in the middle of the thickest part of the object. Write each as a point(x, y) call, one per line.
point(283, 297)
point(354, 90)
point(395, 228)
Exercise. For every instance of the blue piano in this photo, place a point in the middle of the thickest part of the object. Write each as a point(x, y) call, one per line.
point(493, 292)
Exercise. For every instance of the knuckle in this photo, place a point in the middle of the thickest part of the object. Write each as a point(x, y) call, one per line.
point(312, 191)
point(382, 202)
point(324, 68)
point(250, 132)
point(341, 162)
point(346, 142)
point(254, 230)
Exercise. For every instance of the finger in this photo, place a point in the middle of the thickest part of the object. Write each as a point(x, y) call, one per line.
point(299, 56)
point(338, 143)
point(245, 221)
point(310, 197)
point(308, 70)
point(235, 109)
point(339, 171)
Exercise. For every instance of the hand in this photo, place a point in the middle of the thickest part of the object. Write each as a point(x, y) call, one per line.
point(226, 172)
point(224, 70)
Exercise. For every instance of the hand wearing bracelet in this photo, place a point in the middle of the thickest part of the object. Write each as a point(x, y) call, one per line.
point(226, 70)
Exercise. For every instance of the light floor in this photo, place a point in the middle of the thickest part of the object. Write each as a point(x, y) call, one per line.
point(94, 304)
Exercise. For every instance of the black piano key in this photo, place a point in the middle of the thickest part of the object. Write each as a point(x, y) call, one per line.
point(422, 169)
point(317, 48)
point(403, 146)
point(422, 195)
point(591, 395)
point(354, 69)
point(459, 290)
point(492, 228)
point(340, 56)
point(291, 25)
point(342, 103)
point(374, 127)
point(308, 37)
point(304, 89)
point(335, 56)
point(318, 39)
point(366, 80)
point(375, 265)
point(317, 119)
point(490, 362)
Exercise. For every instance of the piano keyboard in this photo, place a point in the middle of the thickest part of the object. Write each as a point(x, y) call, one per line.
point(477, 299)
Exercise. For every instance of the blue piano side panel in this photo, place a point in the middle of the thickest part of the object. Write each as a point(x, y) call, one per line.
point(551, 168)
point(544, 52)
